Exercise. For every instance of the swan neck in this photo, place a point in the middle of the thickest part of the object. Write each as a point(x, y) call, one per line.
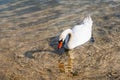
point(70, 37)
point(69, 41)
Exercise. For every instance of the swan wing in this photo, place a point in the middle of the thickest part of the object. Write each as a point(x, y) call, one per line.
point(82, 33)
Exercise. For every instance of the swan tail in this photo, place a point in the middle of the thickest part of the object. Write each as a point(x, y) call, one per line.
point(88, 20)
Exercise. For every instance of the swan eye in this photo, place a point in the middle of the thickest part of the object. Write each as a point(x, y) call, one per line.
point(60, 41)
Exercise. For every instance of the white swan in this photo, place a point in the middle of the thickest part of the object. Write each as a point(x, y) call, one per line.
point(76, 36)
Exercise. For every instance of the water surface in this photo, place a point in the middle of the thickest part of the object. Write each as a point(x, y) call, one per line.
point(28, 39)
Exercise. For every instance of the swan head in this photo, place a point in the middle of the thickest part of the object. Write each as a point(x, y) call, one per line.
point(61, 41)
point(60, 44)
point(63, 38)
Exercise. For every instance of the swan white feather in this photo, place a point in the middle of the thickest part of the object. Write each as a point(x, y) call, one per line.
point(78, 35)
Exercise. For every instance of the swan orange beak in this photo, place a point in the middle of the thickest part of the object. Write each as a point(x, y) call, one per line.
point(60, 44)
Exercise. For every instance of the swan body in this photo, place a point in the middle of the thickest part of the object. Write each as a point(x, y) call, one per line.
point(76, 36)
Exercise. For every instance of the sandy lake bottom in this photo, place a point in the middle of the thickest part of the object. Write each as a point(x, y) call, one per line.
point(29, 32)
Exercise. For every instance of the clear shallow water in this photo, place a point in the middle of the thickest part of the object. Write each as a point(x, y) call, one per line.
point(28, 31)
